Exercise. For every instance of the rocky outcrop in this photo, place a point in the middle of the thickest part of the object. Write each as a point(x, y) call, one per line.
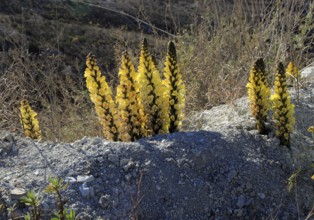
point(218, 168)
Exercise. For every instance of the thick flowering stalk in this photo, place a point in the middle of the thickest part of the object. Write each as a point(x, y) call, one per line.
point(259, 93)
point(131, 123)
point(151, 91)
point(101, 96)
point(29, 121)
point(283, 110)
point(175, 90)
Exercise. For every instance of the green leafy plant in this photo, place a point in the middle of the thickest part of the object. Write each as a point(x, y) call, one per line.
point(32, 199)
point(259, 93)
point(283, 109)
point(132, 121)
point(29, 121)
point(175, 89)
point(55, 187)
point(152, 93)
point(101, 96)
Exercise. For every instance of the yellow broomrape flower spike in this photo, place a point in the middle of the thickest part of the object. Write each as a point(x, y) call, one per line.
point(292, 72)
point(132, 121)
point(151, 91)
point(283, 109)
point(175, 89)
point(101, 96)
point(259, 93)
point(29, 121)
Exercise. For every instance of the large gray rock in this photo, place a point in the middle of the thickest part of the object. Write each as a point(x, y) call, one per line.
point(219, 168)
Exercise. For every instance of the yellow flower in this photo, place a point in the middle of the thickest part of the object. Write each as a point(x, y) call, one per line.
point(259, 93)
point(283, 109)
point(151, 92)
point(101, 96)
point(174, 94)
point(292, 71)
point(29, 121)
point(311, 129)
point(130, 108)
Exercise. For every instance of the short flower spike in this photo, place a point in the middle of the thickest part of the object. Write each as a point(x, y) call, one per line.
point(175, 89)
point(259, 93)
point(101, 96)
point(152, 94)
point(283, 109)
point(292, 72)
point(131, 123)
point(29, 121)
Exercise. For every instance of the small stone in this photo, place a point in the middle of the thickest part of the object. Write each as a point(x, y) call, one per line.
point(105, 201)
point(113, 158)
point(123, 162)
point(84, 215)
point(240, 201)
point(70, 179)
point(85, 190)
point(17, 193)
point(128, 177)
point(261, 195)
point(232, 174)
point(86, 179)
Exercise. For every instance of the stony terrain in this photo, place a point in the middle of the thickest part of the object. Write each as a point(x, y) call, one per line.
point(218, 168)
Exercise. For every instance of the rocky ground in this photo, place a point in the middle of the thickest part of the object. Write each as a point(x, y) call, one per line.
point(219, 168)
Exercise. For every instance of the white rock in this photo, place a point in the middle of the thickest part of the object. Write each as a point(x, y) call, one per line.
point(308, 73)
point(70, 179)
point(17, 193)
point(85, 190)
point(86, 179)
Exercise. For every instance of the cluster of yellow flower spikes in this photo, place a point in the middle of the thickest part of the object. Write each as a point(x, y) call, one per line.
point(259, 93)
point(101, 96)
point(131, 123)
point(145, 104)
point(283, 110)
point(152, 93)
point(29, 121)
point(175, 90)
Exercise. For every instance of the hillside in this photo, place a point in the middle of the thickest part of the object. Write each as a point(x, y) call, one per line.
point(219, 167)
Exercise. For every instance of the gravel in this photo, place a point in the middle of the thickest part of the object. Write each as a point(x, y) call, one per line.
point(218, 168)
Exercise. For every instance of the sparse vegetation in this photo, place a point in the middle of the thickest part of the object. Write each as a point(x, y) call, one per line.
point(56, 186)
point(216, 44)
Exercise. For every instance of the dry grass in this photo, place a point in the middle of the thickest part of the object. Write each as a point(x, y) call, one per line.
point(217, 51)
point(215, 54)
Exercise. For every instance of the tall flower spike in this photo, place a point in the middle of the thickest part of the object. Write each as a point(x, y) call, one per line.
point(101, 96)
point(131, 123)
point(259, 93)
point(151, 91)
point(175, 90)
point(283, 110)
point(29, 121)
point(292, 72)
